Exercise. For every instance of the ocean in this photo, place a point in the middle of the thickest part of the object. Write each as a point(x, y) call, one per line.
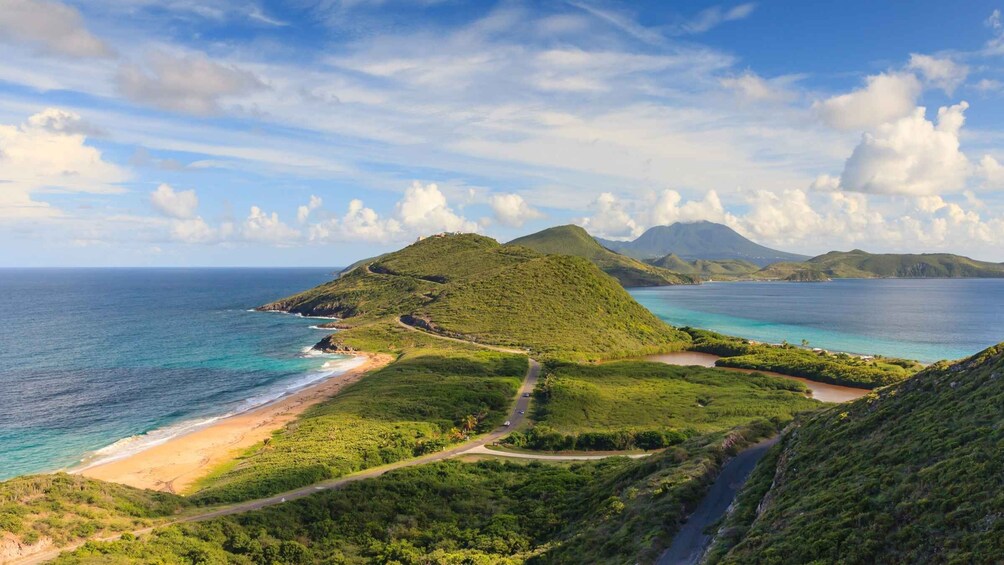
point(923, 319)
point(97, 364)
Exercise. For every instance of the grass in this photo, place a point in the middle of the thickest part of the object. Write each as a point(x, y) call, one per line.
point(64, 508)
point(637, 404)
point(416, 405)
point(822, 366)
point(606, 512)
point(573, 240)
point(911, 473)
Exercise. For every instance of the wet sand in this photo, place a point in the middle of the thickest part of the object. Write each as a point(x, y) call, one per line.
point(820, 391)
point(176, 464)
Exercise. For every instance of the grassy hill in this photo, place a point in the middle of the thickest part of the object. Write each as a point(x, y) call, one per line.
point(706, 268)
point(573, 240)
point(861, 264)
point(699, 240)
point(912, 473)
point(469, 286)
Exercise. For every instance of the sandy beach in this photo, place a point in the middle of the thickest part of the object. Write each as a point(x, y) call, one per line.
point(175, 465)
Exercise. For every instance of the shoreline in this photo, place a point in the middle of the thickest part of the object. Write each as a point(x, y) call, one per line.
point(176, 464)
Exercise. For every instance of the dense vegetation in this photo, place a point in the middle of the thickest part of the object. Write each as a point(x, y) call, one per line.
point(643, 405)
point(573, 240)
point(60, 509)
point(417, 405)
point(614, 511)
point(471, 287)
point(699, 240)
point(822, 366)
point(911, 473)
point(706, 268)
point(859, 264)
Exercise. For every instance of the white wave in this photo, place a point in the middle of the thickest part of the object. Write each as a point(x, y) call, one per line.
point(132, 445)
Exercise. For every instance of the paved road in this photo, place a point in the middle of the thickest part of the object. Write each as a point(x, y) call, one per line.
point(482, 450)
point(401, 323)
point(690, 542)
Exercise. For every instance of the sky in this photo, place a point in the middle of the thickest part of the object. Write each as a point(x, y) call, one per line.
point(318, 132)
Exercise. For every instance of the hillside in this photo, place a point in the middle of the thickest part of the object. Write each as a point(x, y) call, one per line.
point(911, 473)
point(861, 264)
point(573, 240)
point(472, 287)
point(699, 240)
point(706, 268)
point(795, 272)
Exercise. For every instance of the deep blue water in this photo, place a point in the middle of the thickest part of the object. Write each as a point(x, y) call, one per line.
point(924, 319)
point(90, 357)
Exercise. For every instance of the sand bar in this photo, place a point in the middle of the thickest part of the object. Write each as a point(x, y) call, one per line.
point(176, 464)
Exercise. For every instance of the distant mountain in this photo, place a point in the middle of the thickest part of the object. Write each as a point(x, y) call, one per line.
point(574, 241)
point(908, 474)
point(861, 264)
point(699, 240)
point(705, 268)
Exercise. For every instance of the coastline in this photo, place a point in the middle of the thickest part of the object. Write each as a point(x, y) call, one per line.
point(176, 464)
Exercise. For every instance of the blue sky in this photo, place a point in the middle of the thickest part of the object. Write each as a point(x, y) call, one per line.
point(299, 132)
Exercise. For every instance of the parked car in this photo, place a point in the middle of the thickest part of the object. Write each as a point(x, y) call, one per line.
point(506, 424)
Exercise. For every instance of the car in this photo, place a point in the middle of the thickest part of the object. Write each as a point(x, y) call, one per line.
point(521, 412)
point(526, 395)
point(506, 424)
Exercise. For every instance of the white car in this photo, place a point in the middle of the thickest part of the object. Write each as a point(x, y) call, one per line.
point(506, 424)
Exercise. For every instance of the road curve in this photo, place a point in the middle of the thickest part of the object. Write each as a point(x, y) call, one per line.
point(691, 542)
point(499, 348)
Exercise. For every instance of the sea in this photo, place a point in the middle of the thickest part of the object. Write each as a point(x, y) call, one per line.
point(98, 364)
point(923, 319)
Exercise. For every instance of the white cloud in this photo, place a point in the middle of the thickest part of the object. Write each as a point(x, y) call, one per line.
point(991, 172)
point(190, 83)
point(263, 227)
point(424, 210)
point(49, 26)
point(610, 219)
point(885, 97)
point(303, 212)
point(48, 154)
point(752, 87)
point(715, 16)
point(667, 209)
point(512, 210)
point(910, 156)
point(989, 85)
point(942, 73)
point(175, 204)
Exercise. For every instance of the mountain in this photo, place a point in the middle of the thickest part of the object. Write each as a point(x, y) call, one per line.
point(573, 240)
point(911, 473)
point(861, 264)
point(699, 240)
point(470, 286)
point(705, 268)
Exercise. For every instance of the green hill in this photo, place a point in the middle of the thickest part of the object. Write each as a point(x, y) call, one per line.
point(861, 264)
point(706, 268)
point(911, 473)
point(573, 240)
point(472, 287)
point(796, 272)
point(699, 240)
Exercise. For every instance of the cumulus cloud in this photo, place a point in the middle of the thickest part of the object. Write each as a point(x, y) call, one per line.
point(48, 153)
point(263, 227)
point(610, 218)
point(754, 88)
point(49, 26)
point(942, 73)
point(180, 204)
point(512, 210)
point(991, 173)
point(911, 156)
point(667, 209)
point(303, 212)
point(190, 83)
point(424, 210)
point(885, 97)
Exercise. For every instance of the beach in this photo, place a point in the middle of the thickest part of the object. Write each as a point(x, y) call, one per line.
point(178, 463)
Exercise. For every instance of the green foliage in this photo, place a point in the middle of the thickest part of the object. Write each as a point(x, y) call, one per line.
point(65, 508)
point(638, 404)
point(707, 268)
point(911, 473)
point(573, 240)
point(404, 410)
point(834, 368)
point(859, 264)
point(490, 512)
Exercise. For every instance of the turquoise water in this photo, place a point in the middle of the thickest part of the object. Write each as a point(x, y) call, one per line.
point(100, 363)
point(924, 319)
